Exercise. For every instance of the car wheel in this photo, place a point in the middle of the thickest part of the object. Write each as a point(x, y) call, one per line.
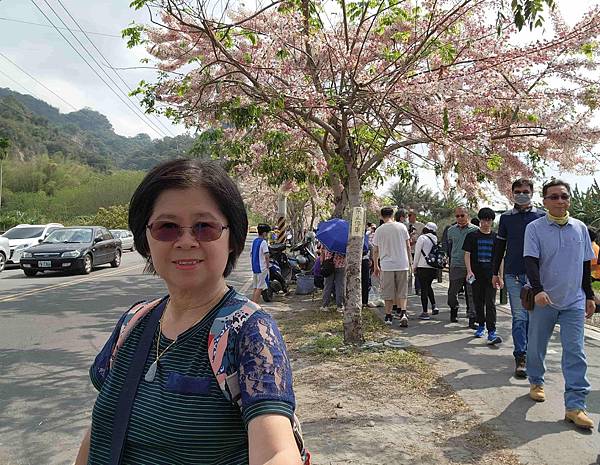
point(117, 261)
point(30, 273)
point(87, 265)
point(2, 261)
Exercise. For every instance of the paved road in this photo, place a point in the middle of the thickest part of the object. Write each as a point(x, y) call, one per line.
point(482, 376)
point(51, 328)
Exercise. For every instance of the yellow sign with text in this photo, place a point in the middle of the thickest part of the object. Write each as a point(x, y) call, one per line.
point(357, 228)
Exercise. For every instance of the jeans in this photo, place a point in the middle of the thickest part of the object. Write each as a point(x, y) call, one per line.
point(336, 281)
point(520, 317)
point(426, 277)
point(457, 276)
point(573, 361)
point(484, 298)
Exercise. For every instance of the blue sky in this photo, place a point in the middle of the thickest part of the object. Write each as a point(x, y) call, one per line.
point(45, 55)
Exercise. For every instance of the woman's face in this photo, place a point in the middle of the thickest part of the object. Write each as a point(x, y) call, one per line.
point(186, 263)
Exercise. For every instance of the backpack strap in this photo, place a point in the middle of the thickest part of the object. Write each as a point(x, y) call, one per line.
point(432, 241)
point(221, 347)
point(130, 321)
point(132, 381)
point(221, 353)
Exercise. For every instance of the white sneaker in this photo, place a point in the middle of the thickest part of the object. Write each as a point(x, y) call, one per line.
point(403, 321)
point(323, 309)
point(372, 304)
point(340, 309)
point(380, 303)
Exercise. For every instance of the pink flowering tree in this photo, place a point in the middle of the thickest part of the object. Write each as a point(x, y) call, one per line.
point(357, 84)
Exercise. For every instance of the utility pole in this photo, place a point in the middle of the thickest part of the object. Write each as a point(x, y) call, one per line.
point(4, 144)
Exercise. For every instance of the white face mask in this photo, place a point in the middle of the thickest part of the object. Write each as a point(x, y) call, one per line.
point(522, 199)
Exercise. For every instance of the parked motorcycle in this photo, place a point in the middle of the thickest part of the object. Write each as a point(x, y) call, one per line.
point(303, 257)
point(275, 282)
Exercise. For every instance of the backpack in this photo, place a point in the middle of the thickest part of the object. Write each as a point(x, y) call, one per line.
point(229, 320)
point(436, 258)
point(327, 267)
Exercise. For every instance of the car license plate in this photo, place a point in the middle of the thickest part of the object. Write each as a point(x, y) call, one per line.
point(45, 264)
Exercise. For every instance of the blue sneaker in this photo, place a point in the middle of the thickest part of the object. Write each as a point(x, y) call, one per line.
point(493, 338)
point(480, 330)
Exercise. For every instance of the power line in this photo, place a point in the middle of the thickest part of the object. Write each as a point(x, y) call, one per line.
point(108, 63)
point(45, 25)
point(19, 84)
point(125, 102)
point(40, 83)
point(135, 108)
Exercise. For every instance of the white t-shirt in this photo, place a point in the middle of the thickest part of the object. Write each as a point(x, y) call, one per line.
point(424, 245)
point(391, 239)
point(264, 249)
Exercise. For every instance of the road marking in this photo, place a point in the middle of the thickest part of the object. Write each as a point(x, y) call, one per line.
point(66, 284)
point(246, 286)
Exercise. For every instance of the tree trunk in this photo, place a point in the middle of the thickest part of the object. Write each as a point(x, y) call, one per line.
point(353, 313)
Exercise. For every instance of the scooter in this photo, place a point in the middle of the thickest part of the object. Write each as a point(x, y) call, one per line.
point(303, 257)
point(275, 282)
point(277, 254)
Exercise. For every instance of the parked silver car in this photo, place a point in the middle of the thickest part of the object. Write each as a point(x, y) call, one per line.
point(126, 237)
point(4, 251)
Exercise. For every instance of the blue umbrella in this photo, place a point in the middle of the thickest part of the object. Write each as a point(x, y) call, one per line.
point(333, 234)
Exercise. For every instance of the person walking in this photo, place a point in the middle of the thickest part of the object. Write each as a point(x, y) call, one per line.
point(509, 248)
point(260, 262)
point(415, 229)
point(558, 254)
point(424, 272)
point(458, 270)
point(334, 282)
point(479, 249)
point(391, 260)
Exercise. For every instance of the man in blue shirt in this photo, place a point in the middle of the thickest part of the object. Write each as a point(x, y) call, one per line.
point(557, 254)
point(511, 233)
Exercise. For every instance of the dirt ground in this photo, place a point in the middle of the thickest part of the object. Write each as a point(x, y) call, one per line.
point(376, 405)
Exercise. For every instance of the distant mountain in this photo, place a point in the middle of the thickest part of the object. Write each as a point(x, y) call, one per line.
point(36, 128)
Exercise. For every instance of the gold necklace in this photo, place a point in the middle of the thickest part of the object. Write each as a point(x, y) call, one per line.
point(151, 373)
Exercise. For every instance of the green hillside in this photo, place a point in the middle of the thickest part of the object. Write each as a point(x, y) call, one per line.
point(35, 128)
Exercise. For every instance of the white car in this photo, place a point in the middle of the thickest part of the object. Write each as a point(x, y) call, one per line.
point(24, 236)
point(126, 237)
point(4, 252)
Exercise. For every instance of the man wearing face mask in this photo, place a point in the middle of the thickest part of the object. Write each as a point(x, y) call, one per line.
point(509, 246)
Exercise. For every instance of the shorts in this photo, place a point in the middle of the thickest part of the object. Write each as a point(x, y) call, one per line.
point(259, 280)
point(394, 285)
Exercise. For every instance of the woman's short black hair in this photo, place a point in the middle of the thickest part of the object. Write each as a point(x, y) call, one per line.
point(184, 174)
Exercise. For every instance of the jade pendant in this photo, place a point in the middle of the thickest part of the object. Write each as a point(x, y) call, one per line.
point(151, 373)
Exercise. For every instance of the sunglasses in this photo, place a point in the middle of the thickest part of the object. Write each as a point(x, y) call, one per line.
point(167, 231)
point(522, 192)
point(557, 197)
point(460, 216)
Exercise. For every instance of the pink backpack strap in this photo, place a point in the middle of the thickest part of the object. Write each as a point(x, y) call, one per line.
point(134, 316)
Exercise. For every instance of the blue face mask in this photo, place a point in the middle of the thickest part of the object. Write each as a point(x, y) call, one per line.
point(522, 199)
